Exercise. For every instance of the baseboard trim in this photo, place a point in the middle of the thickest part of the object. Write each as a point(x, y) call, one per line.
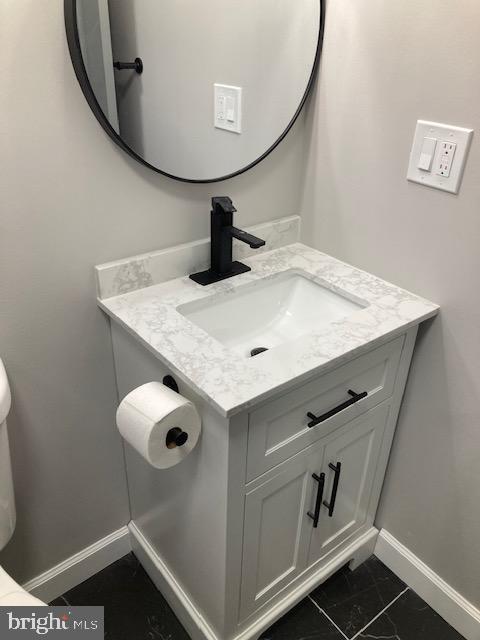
point(79, 567)
point(461, 614)
point(195, 623)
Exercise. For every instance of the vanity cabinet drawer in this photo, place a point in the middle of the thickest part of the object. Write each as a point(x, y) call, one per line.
point(280, 429)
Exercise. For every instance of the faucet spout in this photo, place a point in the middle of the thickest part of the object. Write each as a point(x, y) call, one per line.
point(248, 238)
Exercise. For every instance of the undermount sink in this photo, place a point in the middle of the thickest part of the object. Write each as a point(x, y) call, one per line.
point(262, 315)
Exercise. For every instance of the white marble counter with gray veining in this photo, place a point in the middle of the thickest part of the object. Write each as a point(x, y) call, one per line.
point(233, 383)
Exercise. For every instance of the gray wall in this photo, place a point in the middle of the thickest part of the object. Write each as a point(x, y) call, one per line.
point(385, 65)
point(71, 199)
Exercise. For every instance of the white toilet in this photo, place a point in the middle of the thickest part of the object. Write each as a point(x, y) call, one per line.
point(11, 593)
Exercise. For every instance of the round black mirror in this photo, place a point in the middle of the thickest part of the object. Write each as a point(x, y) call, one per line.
point(197, 91)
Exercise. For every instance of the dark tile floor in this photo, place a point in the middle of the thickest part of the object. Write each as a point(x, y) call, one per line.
point(368, 603)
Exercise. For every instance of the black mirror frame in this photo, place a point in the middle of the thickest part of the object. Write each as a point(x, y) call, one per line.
point(71, 27)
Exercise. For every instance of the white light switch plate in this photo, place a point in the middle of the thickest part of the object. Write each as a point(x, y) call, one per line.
point(452, 144)
point(228, 107)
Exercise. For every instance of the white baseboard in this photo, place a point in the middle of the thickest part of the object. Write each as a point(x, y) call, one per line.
point(461, 614)
point(193, 619)
point(84, 564)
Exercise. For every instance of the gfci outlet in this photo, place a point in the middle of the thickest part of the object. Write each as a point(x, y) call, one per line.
point(445, 158)
point(438, 155)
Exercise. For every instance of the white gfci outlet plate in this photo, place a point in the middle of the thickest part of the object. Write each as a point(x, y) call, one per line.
point(438, 155)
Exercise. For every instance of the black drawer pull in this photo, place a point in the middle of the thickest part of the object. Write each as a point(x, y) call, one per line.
point(331, 505)
point(348, 403)
point(318, 502)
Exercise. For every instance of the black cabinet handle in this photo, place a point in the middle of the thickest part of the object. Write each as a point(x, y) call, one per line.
point(355, 397)
point(331, 505)
point(318, 502)
point(136, 65)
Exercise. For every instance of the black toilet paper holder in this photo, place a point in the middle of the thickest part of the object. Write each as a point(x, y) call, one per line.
point(171, 383)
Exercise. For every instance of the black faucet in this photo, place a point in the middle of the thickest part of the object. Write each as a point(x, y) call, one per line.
point(222, 232)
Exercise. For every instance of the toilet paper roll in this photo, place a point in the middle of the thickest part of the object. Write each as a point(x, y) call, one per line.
point(159, 423)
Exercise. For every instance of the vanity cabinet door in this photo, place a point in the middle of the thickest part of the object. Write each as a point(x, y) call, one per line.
point(277, 528)
point(350, 463)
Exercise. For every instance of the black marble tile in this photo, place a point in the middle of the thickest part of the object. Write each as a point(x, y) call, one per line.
point(303, 622)
point(353, 598)
point(134, 608)
point(410, 618)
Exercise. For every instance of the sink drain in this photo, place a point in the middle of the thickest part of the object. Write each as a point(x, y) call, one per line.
point(257, 350)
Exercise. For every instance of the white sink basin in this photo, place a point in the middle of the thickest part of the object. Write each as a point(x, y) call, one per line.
point(269, 313)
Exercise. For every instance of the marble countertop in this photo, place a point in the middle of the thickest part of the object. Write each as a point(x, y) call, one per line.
point(232, 383)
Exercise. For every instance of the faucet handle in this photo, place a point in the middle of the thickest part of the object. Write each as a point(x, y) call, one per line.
point(222, 204)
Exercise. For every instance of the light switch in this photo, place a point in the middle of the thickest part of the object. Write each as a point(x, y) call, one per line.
point(438, 155)
point(427, 154)
point(228, 108)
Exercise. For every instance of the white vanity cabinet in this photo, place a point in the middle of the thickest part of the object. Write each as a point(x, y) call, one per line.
point(288, 527)
point(266, 507)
